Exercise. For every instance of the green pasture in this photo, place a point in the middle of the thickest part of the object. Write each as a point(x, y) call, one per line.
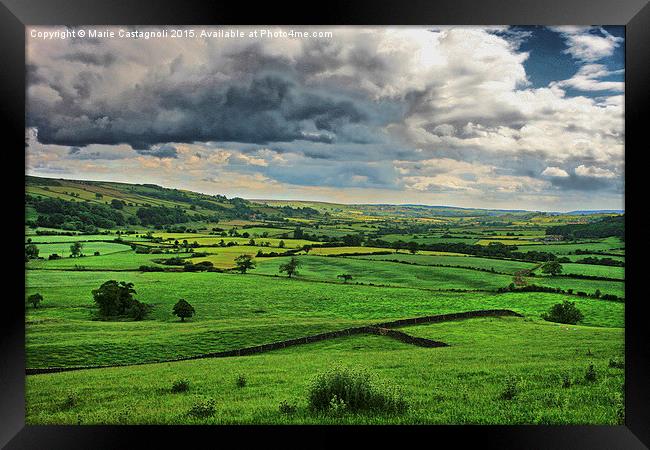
point(234, 311)
point(459, 384)
point(578, 284)
point(89, 248)
point(499, 265)
point(124, 260)
point(593, 270)
point(386, 273)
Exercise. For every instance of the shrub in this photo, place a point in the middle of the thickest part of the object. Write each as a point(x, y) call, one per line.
point(510, 390)
point(181, 385)
point(590, 374)
point(240, 381)
point(617, 363)
point(35, 299)
point(203, 408)
point(71, 400)
point(352, 390)
point(565, 312)
point(287, 408)
point(566, 381)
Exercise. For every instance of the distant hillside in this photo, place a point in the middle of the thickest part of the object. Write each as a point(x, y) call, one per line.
point(85, 205)
point(403, 210)
point(90, 205)
point(604, 227)
point(595, 211)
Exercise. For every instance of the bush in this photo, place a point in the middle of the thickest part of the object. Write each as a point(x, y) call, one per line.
point(180, 385)
point(590, 374)
point(203, 408)
point(240, 381)
point(287, 408)
point(565, 312)
point(510, 390)
point(566, 381)
point(352, 390)
point(617, 363)
point(71, 400)
point(35, 299)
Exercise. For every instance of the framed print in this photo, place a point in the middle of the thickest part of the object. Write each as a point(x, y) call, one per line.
point(390, 218)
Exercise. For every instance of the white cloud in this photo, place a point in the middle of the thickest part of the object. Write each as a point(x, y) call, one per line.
point(587, 79)
point(594, 172)
point(588, 43)
point(555, 172)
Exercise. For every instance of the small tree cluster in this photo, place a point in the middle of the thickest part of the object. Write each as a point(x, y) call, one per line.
point(565, 312)
point(75, 249)
point(116, 299)
point(552, 268)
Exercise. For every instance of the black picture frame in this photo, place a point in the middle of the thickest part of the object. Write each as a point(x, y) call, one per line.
point(16, 14)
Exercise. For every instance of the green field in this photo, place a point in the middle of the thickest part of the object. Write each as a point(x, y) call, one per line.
point(465, 261)
point(230, 313)
point(589, 286)
point(457, 384)
point(606, 245)
point(594, 270)
point(89, 248)
point(124, 260)
point(435, 260)
point(387, 273)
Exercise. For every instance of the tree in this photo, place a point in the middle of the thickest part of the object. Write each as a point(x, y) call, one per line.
point(552, 268)
point(31, 251)
point(244, 262)
point(291, 267)
point(116, 299)
point(345, 276)
point(281, 244)
point(565, 312)
point(307, 248)
point(35, 299)
point(98, 196)
point(413, 247)
point(117, 204)
point(183, 309)
point(75, 249)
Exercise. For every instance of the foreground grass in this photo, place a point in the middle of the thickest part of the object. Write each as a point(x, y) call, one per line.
point(234, 311)
point(460, 384)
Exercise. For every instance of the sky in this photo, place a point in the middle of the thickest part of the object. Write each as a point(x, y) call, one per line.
point(505, 117)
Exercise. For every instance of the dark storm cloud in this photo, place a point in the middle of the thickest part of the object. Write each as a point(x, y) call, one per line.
point(267, 108)
point(577, 183)
point(94, 59)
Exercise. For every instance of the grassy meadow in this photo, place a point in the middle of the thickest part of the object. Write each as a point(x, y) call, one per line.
point(353, 266)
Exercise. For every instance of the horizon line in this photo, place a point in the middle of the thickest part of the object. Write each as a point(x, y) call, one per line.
point(346, 204)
